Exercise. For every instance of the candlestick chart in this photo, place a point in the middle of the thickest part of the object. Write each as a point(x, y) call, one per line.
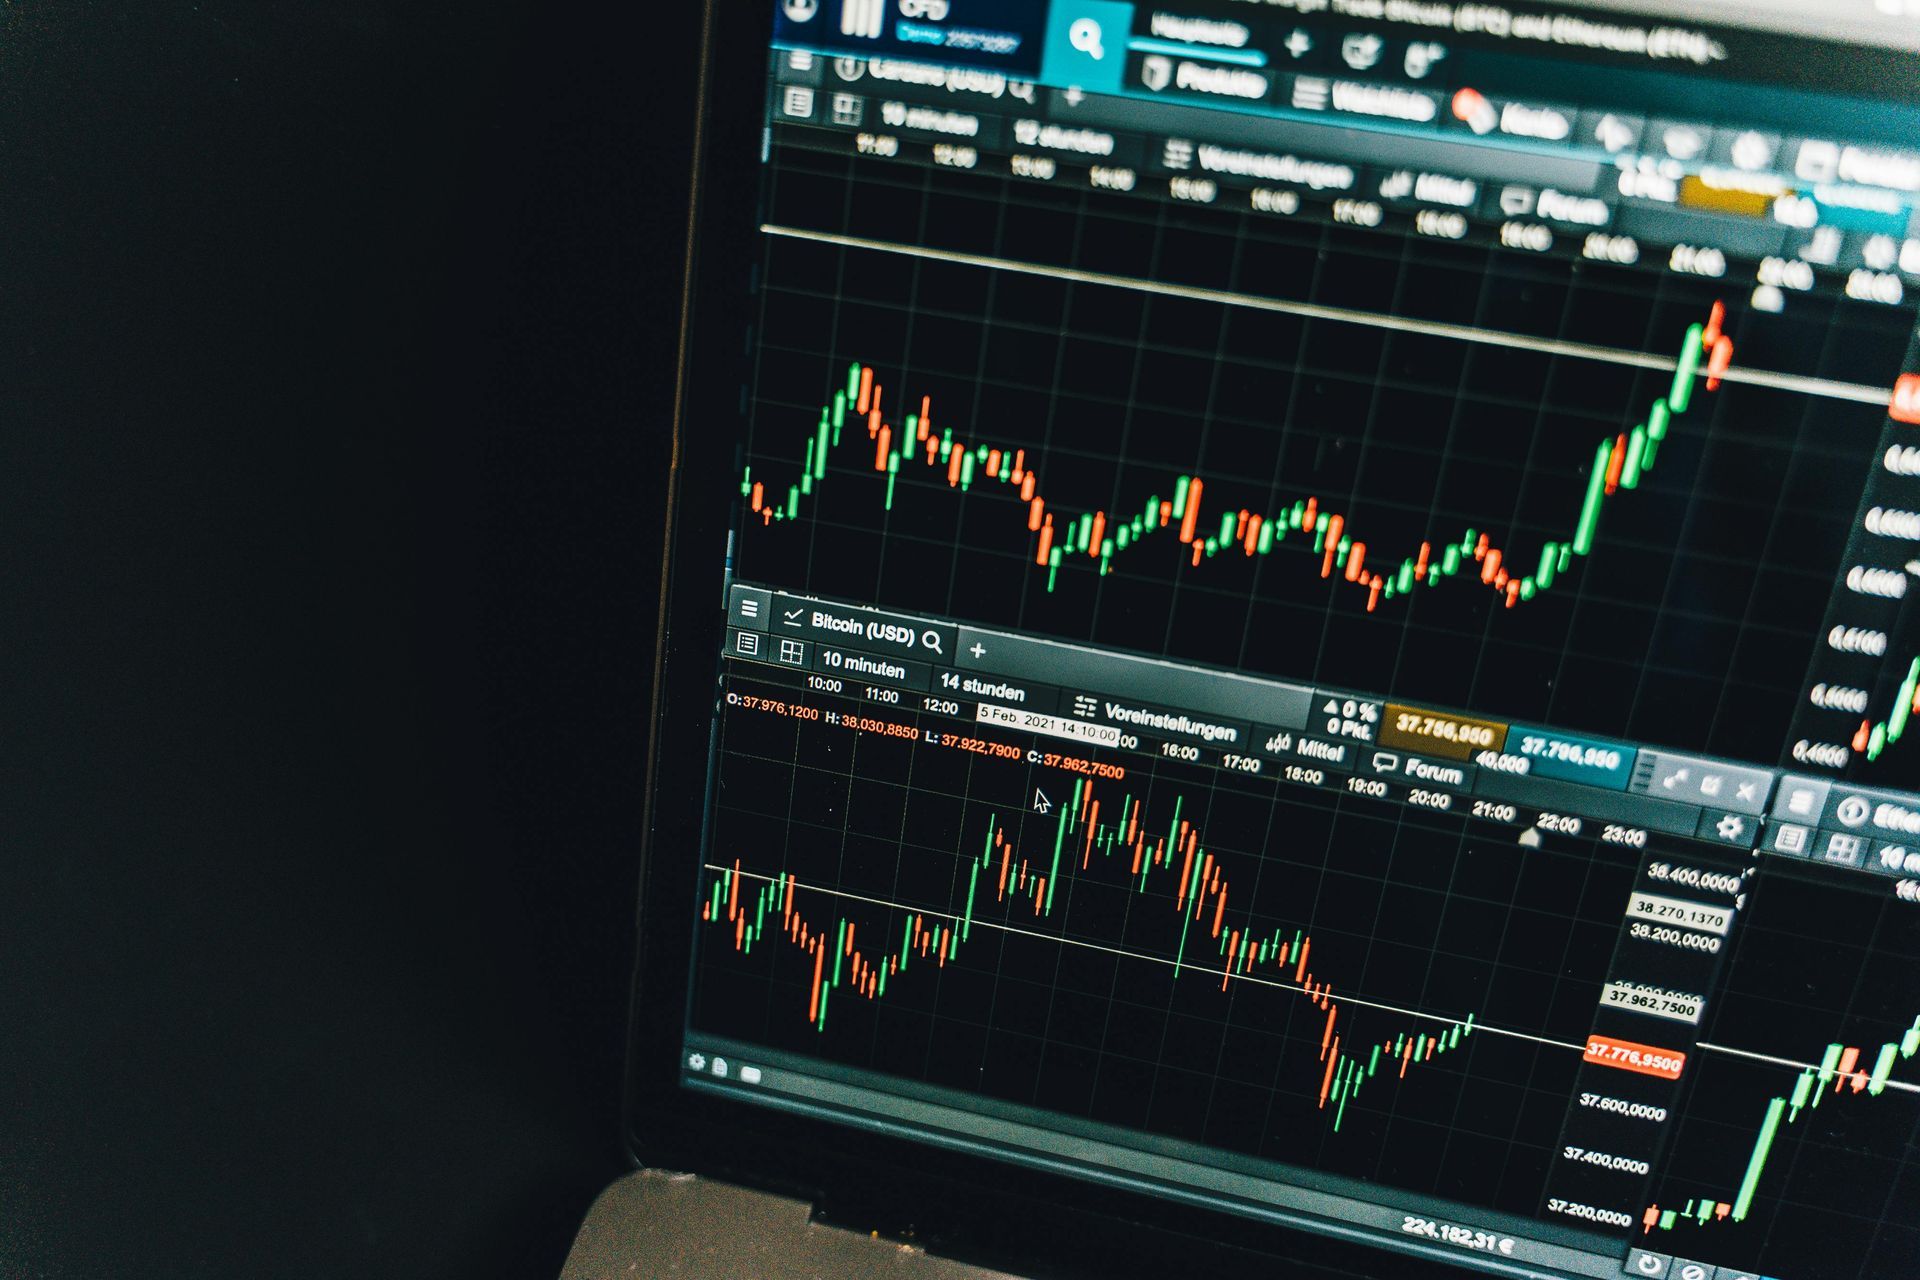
point(1789, 1154)
point(1155, 948)
point(1230, 945)
point(1872, 738)
point(1618, 464)
point(1557, 528)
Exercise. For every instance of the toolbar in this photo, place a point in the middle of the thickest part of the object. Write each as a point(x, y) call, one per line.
point(1332, 740)
point(1369, 129)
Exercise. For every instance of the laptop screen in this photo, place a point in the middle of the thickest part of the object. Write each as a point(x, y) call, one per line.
point(1318, 617)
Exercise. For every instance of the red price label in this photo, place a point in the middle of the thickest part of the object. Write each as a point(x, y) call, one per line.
point(1643, 1059)
point(1906, 399)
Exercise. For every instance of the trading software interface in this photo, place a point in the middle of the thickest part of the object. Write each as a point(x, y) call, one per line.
point(1319, 622)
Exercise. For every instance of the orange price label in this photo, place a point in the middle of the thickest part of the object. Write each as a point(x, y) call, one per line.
point(1643, 1059)
point(1906, 399)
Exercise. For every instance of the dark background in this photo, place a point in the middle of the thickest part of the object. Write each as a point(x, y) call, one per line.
point(335, 373)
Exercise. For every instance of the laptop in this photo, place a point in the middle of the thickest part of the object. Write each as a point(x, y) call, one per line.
point(1287, 647)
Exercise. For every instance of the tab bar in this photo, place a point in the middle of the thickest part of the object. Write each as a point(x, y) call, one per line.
point(1302, 748)
point(1570, 173)
point(1881, 813)
point(1376, 101)
point(1159, 73)
point(1901, 860)
point(1420, 770)
point(858, 628)
point(1144, 718)
point(1199, 692)
point(1023, 695)
point(879, 668)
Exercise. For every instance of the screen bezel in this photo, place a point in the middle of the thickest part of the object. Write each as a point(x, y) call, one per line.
point(990, 1211)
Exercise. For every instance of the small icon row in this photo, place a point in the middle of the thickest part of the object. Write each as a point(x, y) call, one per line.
point(1663, 1266)
point(1364, 51)
point(751, 644)
point(720, 1069)
point(867, 18)
point(1686, 778)
point(800, 103)
point(1804, 842)
point(752, 606)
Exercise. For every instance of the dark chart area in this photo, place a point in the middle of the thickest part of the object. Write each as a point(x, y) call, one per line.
point(1376, 992)
point(1807, 1163)
point(1485, 524)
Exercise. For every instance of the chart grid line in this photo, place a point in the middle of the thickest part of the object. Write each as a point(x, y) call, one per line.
point(1798, 383)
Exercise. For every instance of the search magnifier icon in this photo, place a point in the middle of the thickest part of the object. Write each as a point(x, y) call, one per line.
point(930, 640)
point(1084, 36)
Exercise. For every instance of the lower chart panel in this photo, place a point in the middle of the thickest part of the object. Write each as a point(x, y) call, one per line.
point(1376, 992)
